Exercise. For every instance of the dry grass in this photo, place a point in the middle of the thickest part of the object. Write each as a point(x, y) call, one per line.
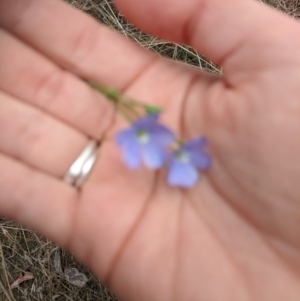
point(22, 250)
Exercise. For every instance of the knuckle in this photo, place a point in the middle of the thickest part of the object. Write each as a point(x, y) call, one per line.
point(82, 47)
point(49, 89)
point(29, 134)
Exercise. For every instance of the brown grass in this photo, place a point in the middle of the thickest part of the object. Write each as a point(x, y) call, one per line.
point(22, 250)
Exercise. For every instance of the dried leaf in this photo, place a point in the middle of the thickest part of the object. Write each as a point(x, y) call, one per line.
point(23, 277)
point(75, 277)
point(57, 263)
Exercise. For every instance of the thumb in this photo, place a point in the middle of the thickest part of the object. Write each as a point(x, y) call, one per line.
point(231, 33)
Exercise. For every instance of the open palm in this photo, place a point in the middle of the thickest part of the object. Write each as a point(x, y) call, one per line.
point(232, 237)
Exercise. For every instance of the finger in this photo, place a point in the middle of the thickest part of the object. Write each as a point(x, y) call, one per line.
point(35, 79)
point(228, 32)
point(37, 139)
point(36, 200)
point(83, 46)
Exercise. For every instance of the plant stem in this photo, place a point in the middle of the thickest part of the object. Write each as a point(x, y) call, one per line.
point(119, 101)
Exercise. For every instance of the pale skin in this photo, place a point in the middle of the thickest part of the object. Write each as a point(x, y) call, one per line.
point(235, 236)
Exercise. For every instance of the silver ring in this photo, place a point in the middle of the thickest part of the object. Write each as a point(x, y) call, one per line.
point(81, 168)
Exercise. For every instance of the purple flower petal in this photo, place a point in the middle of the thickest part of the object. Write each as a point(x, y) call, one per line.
point(145, 139)
point(200, 159)
point(162, 135)
point(182, 174)
point(154, 156)
point(125, 137)
point(132, 156)
point(146, 121)
point(196, 144)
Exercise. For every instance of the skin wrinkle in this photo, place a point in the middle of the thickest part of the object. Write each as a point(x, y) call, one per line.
point(274, 241)
point(126, 241)
point(189, 26)
point(45, 84)
point(190, 33)
point(104, 133)
point(84, 44)
point(190, 37)
point(230, 258)
point(183, 106)
point(224, 60)
point(251, 223)
point(206, 101)
point(236, 180)
point(141, 73)
point(29, 135)
point(178, 247)
point(222, 108)
point(251, 73)
point(287, 263)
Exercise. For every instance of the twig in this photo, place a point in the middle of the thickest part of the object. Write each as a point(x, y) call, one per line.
point(10, 297)
point(5, 292)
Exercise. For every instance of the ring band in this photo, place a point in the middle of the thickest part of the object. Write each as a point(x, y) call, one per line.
point(81, 168)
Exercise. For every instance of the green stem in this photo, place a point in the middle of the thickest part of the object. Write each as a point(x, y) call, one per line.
point(124, 114)
point(118, 99)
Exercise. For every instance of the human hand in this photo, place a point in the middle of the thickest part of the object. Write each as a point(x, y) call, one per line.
point(234, 236)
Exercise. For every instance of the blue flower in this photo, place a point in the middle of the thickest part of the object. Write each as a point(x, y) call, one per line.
point(146, 139)
point(185, 162)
